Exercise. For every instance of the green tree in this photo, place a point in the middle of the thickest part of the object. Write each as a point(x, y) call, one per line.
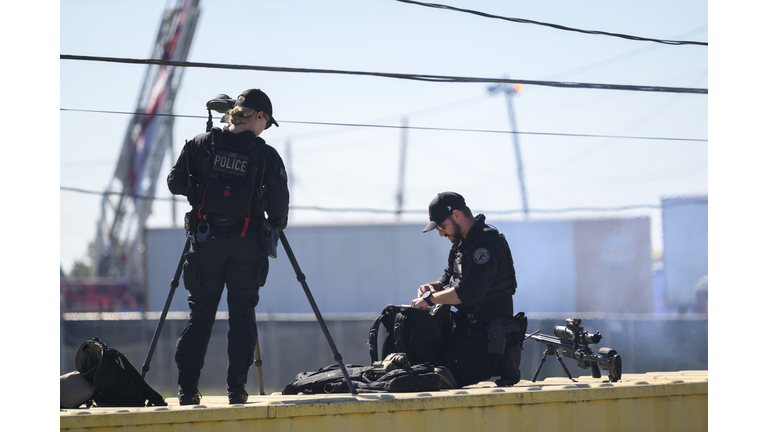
point(83, 268)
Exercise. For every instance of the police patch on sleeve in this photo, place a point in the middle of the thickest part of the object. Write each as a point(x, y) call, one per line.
point(482, 255)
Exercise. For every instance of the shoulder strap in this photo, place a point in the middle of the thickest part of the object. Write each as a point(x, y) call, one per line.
point(254, 154)
point(389, 313)
point(373, 336)
point(401, 321)
point(217, 140)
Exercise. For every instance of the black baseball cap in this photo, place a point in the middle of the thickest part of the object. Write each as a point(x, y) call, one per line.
point(256, 99)
point(442, 206)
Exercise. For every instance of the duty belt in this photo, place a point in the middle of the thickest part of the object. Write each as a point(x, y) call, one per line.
point(227, 226)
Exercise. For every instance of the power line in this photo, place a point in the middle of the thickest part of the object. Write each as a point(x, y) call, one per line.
point(559, 27)
point(362, 125)
point(617, 58)
point(392, 211)
point(417, 77)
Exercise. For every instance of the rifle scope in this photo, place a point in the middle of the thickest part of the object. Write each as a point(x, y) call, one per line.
point(573, 331)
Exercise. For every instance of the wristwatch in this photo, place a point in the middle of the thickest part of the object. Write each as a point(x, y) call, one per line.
point(427, 297)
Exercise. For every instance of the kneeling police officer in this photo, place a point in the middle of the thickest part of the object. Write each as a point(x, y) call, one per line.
point(479, 281)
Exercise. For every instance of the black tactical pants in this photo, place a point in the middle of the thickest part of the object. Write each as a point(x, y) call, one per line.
point(241, 264)
point(467, 357)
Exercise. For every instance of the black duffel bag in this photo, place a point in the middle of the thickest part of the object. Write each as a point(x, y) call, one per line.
point(116, 383)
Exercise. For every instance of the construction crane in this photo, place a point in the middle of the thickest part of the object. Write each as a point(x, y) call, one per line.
point(127, 201)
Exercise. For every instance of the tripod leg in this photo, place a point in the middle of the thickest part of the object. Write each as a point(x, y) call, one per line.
point(303, 280)
point(541, 363)
point(257, 359)
point(174, 285)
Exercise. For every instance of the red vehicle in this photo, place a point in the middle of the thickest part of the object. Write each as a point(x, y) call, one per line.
point(99, 295)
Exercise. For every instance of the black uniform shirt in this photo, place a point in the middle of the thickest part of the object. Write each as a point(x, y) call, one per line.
point(480, 267)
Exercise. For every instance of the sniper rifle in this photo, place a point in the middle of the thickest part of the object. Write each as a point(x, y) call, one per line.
point(574, 343)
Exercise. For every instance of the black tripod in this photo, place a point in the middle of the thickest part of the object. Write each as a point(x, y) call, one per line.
point(174, 285)
point(257, 357)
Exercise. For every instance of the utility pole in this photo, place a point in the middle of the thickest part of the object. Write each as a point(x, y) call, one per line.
point(509, 91)
point(401, 179)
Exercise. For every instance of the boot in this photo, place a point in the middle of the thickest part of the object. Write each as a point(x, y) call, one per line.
point(237, 395)
point(189, 396)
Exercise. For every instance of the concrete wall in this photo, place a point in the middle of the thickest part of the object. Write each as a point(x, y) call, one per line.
point(595, 266)
point(613, 264)
point(685, 223)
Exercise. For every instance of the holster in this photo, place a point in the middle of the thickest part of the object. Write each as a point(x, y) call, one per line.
point(191, 221)
point(509, 368)
point(498, 331)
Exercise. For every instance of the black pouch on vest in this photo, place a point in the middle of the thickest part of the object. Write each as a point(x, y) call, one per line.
point(227, 197)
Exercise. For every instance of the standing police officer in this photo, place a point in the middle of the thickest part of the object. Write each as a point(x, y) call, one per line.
point(479, 281)
point(231, 177)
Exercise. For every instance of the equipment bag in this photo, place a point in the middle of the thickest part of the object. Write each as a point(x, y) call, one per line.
point(365, 379)
point(116, 383)
point(318, 382)
point(415, 332)
point(421, 377)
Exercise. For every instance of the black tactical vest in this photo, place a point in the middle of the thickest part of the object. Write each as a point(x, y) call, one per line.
point(231, 180)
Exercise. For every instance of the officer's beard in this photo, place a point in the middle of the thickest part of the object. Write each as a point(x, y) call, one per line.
point(455, 238)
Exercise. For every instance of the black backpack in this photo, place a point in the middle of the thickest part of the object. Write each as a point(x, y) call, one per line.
point(116, 383)
point(417, 333)
point(365, 379)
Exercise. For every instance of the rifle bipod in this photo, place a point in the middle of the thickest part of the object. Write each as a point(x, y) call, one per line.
point(551, 351)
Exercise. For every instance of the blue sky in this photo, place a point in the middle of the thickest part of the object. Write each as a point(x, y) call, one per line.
point(341, 167)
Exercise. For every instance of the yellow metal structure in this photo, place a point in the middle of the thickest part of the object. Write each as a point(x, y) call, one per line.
point(660, 401)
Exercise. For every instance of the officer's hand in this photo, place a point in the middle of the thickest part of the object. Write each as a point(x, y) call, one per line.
point(419, 303)
point(425, 288)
